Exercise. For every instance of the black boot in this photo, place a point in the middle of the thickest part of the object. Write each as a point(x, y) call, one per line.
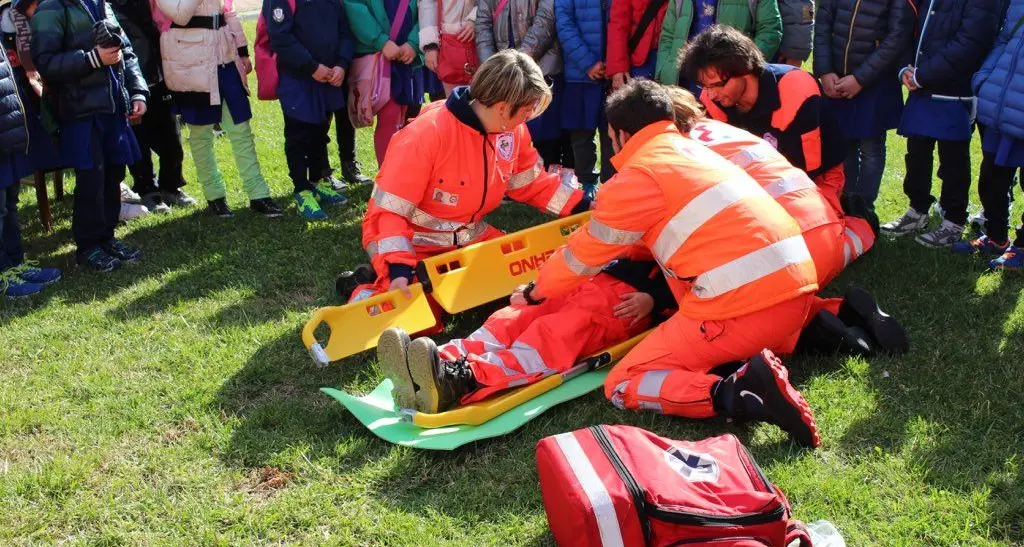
point(347, 282)
point(854, 206)
point(352, 172)
point(860, 309)
point(760, 390)
point(441, 383)
point(827, 334)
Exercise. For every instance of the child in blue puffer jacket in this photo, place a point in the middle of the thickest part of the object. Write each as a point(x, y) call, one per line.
point(999, 86)
point(581, 30)
point(953, 37)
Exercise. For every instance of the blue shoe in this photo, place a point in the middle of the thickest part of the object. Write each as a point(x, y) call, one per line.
point(1012, 259)
point(117, 249)
point(98, 259)
point(12, 286)
point(326, 194)
point(32, 273)
point(982, 245)
point(308, 206)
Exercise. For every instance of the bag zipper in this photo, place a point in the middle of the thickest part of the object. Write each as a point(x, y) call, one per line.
point(646, 510)
point(635, 492)
point(717, 539)
point(766, 486)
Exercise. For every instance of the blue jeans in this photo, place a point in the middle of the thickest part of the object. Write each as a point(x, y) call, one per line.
point(865, 163)
point(11, 252)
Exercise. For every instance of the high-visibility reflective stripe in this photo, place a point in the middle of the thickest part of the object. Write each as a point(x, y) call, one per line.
point(698, 211)
point(490, 342)
point(403, 207)
point(600, 502)
point(752, 154)
point(651, 382)
point(576, 266)
point(791, 183)
point(858, 245)
point(392, 244)
point(617, 395)
point(523, 178)
point(851, 253)
point(612, 236)
point(496, 360)
point(652, 406)
point(559, 199)
point(751, 267)
point(391, 202)
point(426, 220)
point(529, 358)
point(449, 238)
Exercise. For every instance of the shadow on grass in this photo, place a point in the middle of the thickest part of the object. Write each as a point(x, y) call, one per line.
point(966, 419)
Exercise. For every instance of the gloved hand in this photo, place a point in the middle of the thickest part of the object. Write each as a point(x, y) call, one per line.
point(107, 34)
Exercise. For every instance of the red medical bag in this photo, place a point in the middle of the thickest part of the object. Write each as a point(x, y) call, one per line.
point(615, 485)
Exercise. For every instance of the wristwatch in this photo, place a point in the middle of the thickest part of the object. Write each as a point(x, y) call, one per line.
point(526, 294)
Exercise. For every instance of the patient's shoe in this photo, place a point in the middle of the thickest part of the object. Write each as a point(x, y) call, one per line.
point(860, 309)
point(392, 347)
point(441, 383)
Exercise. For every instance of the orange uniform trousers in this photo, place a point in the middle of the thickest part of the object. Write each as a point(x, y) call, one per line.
point(669, 372)
point(520, 345)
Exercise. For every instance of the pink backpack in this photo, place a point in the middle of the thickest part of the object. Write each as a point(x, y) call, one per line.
point(266, 60)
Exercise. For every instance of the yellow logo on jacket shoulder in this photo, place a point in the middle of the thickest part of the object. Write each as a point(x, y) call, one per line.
point(506, 144)
point(445, 198)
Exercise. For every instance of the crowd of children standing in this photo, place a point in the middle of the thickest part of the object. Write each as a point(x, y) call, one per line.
point(101, 85)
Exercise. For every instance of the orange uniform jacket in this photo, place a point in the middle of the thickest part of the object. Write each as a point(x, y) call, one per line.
point(442, 175)
point(727, 248)
point(792, 115)
point(791, 187)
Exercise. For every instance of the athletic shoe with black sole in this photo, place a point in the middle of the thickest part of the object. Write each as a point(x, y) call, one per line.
point(392, 350)
point(783, 405)
point(860, 309)
point(347, 281)
point(828, 334)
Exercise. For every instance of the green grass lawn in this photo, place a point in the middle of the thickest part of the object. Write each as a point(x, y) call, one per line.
point(172, 402)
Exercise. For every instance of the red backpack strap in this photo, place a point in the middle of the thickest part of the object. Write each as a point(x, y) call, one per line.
point(796, 530)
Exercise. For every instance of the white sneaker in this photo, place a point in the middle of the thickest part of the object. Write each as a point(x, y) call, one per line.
point(911, 222)
point(132, 210)
point(937, 210)
point(128, 195)
point(336, 183)
point(945, 235)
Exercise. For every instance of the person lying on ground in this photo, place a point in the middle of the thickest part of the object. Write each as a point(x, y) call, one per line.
point(521, 344)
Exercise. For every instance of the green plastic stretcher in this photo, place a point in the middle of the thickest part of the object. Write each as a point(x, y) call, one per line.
point(378, 413)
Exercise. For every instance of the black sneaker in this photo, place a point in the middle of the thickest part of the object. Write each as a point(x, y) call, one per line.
point(828, 334)
point(178, 198)
point(860, 309)
point(219, 207)
point(98, 259)
point(441, 383)
point(349, 280)
point(352, 173)
point(266, 207)
point(760, 390)
point(117, 249)
point(392, 354)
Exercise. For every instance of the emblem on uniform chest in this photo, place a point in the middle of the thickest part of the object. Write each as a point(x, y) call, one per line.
point(278, 15)
point(505, 143)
